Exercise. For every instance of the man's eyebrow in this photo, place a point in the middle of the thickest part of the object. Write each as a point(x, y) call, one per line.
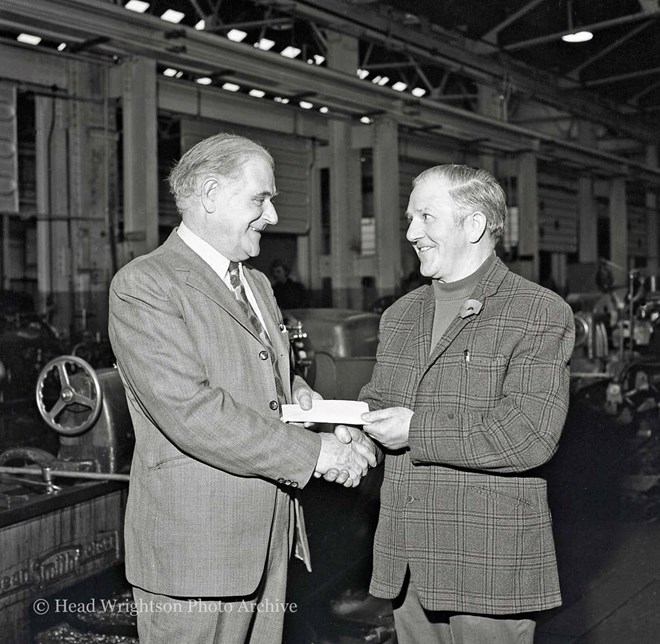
point(268, 193)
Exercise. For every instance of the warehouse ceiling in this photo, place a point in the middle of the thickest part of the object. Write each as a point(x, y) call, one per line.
point(449, 51)
point(515, 46)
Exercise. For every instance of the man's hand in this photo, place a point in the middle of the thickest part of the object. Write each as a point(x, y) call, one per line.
point(305, 396)
point(361, 443)
point(390, 427)
point(340, 462)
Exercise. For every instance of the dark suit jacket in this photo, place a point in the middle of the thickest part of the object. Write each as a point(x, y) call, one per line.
point(210, 447)
point(490, 402)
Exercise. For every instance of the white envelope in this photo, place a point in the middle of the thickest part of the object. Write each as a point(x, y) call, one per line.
point(337, 412)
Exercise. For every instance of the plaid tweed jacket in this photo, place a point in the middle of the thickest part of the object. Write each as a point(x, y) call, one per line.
point(459, 507)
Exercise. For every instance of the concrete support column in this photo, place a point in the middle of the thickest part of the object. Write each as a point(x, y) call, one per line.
point(140, 125)
point(528, 208)
point(618, 222)
point(587, 221)
point(490, 103)
point(386, 206)
point(55, 270)
point(345, 211)
point(345, 185)
point(652, 211)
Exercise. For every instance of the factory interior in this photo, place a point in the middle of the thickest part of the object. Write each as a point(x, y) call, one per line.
point(558, 99)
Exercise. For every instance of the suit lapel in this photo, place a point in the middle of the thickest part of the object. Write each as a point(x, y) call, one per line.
point(199, 275)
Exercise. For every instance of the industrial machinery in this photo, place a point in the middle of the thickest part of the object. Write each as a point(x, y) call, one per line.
point(61, 515)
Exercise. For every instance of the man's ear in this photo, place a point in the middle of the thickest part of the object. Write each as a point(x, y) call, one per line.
point(476, 225)
point(209, 193)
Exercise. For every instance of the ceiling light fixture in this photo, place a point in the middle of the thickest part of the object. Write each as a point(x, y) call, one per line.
point(171, 73)
point(366, 120)
point(362, 73)
point(264, 44)
point(136, 5)
point(28, 39)
point(173, 16)
point(323, 110)
point(306, 105)
point(399, 86)
point(290, 52)
point(201, 25)
point(384, 80)
point(204, 80)
point(236, 35)
point(575, 36)
point(231, 87)
point(257, 93)
point(319, 60)
point(61, 46)
point(418, 92)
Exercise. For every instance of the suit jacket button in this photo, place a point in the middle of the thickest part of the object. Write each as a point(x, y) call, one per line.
point(273, 404)
point(287, 482)
point(410, 499)
point(294, 483)
point(263, 355)
point(280, 480)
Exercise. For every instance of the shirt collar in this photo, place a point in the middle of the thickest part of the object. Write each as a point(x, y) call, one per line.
point(216, 260)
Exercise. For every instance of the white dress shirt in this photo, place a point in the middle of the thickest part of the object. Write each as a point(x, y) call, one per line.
point(219, 263)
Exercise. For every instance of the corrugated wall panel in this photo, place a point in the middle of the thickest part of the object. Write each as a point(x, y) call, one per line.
point(558, 214)
point(637, 231)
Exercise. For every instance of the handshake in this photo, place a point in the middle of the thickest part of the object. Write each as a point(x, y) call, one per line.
point(346, 456)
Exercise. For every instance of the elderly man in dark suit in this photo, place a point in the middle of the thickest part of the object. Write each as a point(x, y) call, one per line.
point(204, 356)
point(468, 396)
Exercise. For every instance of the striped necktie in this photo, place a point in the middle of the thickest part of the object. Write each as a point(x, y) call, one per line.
point(241, 297)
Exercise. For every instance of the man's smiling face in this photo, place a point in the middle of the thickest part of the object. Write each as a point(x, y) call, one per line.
point(244, 209)
point(441, 243)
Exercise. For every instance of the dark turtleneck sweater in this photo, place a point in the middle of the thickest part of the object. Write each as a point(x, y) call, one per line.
point(450, 296)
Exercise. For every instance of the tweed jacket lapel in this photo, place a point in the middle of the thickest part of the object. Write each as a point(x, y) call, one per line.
point(199, 275)
point(487, 287)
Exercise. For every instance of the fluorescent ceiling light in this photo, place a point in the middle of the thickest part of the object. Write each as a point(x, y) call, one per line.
point(236, 35)
point(173, 16)
point(419, 92)
point(578, 36)
point(323, 110)
point(306, 105)
point(258, 93)
point(200, 25)
point(170, 72)
point(136, 5)
point(204, 80)
point(290, 52)
point(399, 86)
point(362, 73)
point(279, 99)
point(179, 74)
point(366, 120)
point(61, 46)
point(28, 39)
point(376, 79)
point(319, 60)
point(231, 87)
point(384, 80)
point(265, 44)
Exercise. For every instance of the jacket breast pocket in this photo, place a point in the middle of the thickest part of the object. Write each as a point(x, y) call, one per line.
point(484, 378)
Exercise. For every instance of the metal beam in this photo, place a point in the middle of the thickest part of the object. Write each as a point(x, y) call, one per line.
point(593, 27)
point(618, 77)
point(140, 35)
point(459, 55)
point(491, 35)
point(609, 48)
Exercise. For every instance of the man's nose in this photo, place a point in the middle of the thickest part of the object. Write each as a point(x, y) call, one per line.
point(270, 214)
point(412, 233)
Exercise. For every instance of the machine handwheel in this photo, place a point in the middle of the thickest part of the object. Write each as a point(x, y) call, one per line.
point(76, 406)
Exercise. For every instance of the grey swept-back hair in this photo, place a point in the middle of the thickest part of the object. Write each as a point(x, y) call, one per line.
point(222, 154)
point(471, 190)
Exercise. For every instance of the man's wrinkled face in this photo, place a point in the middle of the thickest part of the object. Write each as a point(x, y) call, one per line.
point(244, 208)
point(441, 243)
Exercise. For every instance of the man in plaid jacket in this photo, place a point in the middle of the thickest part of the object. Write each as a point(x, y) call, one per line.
point(468, 396)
